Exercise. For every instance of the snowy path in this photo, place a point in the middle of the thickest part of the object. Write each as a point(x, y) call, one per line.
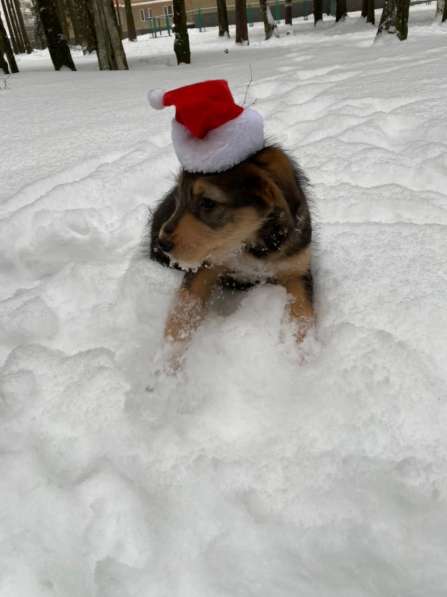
point(264, 470)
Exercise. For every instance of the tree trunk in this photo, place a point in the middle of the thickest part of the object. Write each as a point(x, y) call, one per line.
point(288, 12)
point(181, 41)
point(15, 47)
point(340, 10)
point(394, 18)
point(364, 8)
point(40, 41)
point(5, 48)
point(24, 34)
point(370, 16)
point(84, 10)
point(318, 11)
point(222, 18)
point(20, 33)
point(73, 17)
point(3, 41)
point(444, 12)
point(3, 64)
point(13, 27)
point(63, 18)
point(118, 14)
point(57, 44)
point(268, 26)
point(110, 49)
point(241, 22)
point(131, 31)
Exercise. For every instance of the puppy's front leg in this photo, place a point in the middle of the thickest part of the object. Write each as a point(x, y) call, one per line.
point(299, 288)
point(189, 308)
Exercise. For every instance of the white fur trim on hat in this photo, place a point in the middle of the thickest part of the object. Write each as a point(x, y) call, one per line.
point(155, 98)
point(223, 147)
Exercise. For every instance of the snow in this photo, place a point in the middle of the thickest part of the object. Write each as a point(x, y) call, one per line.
point(262, 468)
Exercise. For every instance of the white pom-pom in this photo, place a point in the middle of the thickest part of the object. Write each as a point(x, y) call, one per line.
point(155, 97)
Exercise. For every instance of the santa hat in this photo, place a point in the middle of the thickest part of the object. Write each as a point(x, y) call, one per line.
point(210, 132)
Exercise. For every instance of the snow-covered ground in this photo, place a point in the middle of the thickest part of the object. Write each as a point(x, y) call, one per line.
point(263, 469)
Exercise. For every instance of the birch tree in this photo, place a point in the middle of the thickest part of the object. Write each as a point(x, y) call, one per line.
point(394, 19)
point(268, 25)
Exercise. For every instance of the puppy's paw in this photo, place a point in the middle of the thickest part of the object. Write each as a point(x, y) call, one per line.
point(302, 327)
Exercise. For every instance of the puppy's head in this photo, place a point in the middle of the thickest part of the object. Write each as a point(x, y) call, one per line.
point(216, 215)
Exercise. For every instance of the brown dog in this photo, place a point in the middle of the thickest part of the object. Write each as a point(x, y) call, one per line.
point(248, 224)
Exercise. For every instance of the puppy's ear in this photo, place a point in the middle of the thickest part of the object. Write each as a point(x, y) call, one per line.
point(287, 176)
point(275, 199)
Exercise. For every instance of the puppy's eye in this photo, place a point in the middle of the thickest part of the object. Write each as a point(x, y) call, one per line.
point(207, 204)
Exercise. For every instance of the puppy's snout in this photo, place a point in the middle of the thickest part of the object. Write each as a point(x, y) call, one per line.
point(165, 244)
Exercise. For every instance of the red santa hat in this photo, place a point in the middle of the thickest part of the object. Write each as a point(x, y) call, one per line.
point(210, 132)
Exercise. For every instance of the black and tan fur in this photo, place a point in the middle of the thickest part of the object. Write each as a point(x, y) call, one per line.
point(245, 225)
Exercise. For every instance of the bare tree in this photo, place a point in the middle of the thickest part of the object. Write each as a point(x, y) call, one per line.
point(288, 12)
point(131, 31)
point(268, 25)
point(181, 41)
point(73, 18)
point(371, 16)
point(21, 25)
point(57, 44)
point(13, 26)
point(241, 22)
point(394, 19)
point(116, 5)
point(110, 49)
point(40, 40)
point(340, 10)
point(3, 64)
point(318, 11)
point(64, 19)
point(10, 63)
point(12, 34)
point(222, 18)
point(368, 8)
point(83, 21)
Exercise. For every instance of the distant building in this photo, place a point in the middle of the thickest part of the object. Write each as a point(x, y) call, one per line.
point(146, 12)
point(150, 14)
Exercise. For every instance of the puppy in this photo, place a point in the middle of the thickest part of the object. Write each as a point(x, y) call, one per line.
point(246, 225)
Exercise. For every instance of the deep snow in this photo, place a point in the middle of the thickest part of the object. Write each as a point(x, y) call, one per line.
point(262, 469)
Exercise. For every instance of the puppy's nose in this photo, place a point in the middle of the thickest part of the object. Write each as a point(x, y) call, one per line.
point(165, 244)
